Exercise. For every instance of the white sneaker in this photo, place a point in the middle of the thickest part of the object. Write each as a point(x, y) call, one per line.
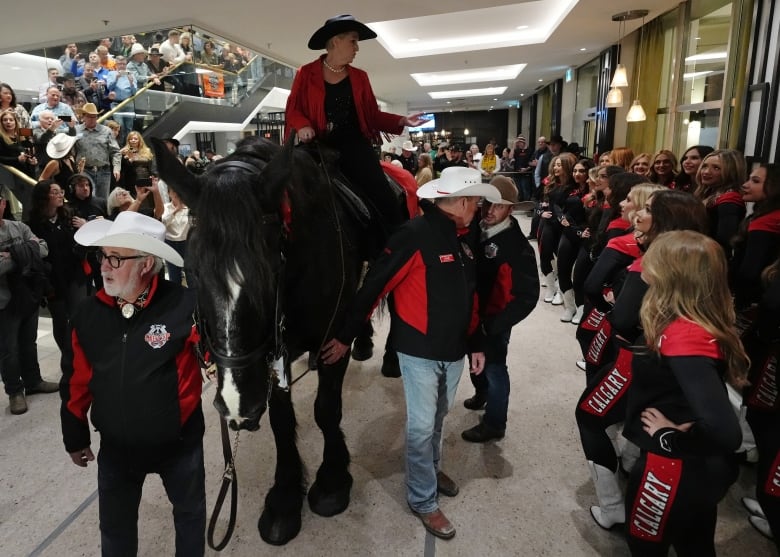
point(557, 299)
point(581, 364)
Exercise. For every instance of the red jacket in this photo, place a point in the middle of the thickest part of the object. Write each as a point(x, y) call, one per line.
point(306, 103)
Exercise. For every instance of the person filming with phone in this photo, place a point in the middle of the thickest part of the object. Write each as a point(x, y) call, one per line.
point(55, 104)
point(122, 85)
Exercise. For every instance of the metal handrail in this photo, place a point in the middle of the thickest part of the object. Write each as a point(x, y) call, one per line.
point(143, 89)
point(19, 174)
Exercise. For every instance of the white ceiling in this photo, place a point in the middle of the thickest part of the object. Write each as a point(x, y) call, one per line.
point(282, 29)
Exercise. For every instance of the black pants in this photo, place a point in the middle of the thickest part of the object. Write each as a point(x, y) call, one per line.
point(601, 405)
point(360, 165)
point(121, 476)
point(549, 236)
point(674, 503)
point(766, 430)
point(582, 266)
point(568, 248)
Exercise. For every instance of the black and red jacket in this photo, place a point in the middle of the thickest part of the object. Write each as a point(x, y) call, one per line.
point(139, 376)
point(725, 213)
point(507, 279)
point(760, 249)
point(610, 270)
point(429, 266)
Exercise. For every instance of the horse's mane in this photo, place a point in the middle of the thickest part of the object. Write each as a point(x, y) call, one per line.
point(232, 204)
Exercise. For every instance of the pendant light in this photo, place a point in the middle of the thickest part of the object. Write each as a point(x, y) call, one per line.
point(614, 98)
point(636, 113)
point(620, 79)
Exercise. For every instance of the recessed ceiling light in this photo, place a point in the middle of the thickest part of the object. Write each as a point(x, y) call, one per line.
point(449, 102)
point(495, 99)
point(522, 94)
point(472, 75)
point(541, 80)
point(487, 91)
point(457, 33)
point(583, 49)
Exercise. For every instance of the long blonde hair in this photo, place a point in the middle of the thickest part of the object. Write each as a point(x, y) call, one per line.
point(639, 194)
point(144, 152)
point(687, 274)
point(7, 138)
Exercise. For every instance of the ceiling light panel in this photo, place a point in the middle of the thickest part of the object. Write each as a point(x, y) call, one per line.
point(473, 29)
point(487, 91)
point(472, 75)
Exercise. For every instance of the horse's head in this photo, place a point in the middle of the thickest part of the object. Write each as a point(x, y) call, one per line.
point(235, 255)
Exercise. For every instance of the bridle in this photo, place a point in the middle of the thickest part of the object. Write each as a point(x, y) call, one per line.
point(275, 350)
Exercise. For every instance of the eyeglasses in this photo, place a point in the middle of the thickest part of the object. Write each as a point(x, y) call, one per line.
point(115, 261)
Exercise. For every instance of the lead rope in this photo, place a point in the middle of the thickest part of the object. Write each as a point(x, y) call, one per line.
point(229, 480)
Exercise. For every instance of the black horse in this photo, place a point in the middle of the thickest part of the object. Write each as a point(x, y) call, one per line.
point(275, 262)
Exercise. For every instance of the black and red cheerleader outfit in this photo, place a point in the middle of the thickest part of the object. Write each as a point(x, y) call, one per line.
point(674, 489)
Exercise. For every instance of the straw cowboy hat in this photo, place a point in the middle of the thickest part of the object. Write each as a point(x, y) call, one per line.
point(89, 108)
point(459, 181)
point(337, 25)
point(130, 230)
point(408, 146)
point(60, 145)
point(137, 48)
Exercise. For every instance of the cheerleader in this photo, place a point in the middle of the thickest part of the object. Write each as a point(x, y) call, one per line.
point(678, 411)
point(718, 180)
point(604, 403)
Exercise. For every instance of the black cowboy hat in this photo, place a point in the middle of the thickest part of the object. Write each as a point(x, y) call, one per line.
point(337, 25)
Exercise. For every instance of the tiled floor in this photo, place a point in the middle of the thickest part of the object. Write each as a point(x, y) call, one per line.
point(526, 495)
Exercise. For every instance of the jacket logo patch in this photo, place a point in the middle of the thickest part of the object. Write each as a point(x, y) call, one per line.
point(447, 258)
point(491, 250)
point(157, 336)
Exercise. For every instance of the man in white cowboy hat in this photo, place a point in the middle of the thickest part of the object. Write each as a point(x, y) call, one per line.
point(100, 150)
point(138, 67)
point(430, 268)
point(408, 157)
point(133, 364)
point(508, 288)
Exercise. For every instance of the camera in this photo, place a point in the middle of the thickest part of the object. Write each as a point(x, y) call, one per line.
point(65, 118)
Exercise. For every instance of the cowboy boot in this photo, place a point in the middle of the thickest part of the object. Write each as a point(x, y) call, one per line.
point(549, 282)
point(611, 509)
point(569, 306)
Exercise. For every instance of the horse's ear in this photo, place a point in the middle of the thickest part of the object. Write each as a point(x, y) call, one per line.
point(173, 172)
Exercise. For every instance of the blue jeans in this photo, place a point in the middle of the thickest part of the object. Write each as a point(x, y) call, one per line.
point(102, 180)
point(496, 375)
point(19, 351)
point(429, 388)
point(121, 477)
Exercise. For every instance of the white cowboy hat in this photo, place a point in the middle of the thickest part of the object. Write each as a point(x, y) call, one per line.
point(408, 146)
point(459, 181)
point(130, 230)
point(60, 145)
point(137, 48)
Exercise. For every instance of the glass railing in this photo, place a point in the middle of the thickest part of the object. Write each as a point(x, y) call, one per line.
point(201, 83)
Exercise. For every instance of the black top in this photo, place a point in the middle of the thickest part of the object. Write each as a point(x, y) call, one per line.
point(340, 111)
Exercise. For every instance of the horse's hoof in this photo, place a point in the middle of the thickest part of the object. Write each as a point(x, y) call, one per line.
point(328, 504)
point(278, 531)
